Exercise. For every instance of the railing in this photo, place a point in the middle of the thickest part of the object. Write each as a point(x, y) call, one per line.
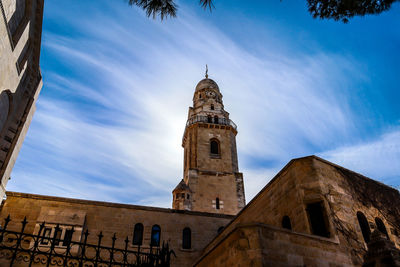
point(18, 247)
point(206, 119)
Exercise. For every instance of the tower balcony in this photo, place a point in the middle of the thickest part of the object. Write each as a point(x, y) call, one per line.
point(211, 120)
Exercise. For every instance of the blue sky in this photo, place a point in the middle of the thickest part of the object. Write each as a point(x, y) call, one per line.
point(117, 87)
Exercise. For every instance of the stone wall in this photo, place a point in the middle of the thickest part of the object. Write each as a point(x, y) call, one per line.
point(263, 245)
point(120, 219)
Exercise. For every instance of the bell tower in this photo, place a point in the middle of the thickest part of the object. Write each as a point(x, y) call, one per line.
point(211, 178)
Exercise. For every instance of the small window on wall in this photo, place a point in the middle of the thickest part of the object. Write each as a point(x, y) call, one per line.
point(46, 236)
point(155, 235)
point(67, 237)
point(215, 119)
point(217, 203)
point(138, 234)
point(364, 226)
point(212, 107)
point(286, 223)
point(381, 226)
point(214, 147)
point(209, 119)
point(318, 220)
point(187, 238)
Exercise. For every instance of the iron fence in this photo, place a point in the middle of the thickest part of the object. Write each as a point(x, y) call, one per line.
point(18, 248)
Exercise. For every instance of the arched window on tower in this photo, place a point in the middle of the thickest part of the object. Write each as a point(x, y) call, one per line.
point(187, 238)
point(138, 234)
point(214, 147)
point(362, 221)
point(209, 119)
point(217, 203)
point(286, 222)
point(381, 226)
point(216, 119)
point(212, 106)
point(155, 235)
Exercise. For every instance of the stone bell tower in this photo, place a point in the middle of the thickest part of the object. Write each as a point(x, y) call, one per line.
point(211, 178)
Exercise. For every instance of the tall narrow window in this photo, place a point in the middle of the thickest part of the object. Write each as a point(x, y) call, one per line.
point(155, 235)
point(215, 119)
point(46, 236)
point(362, 221)
point(212, 107)
point(381, 226)
point(57, 236)
point(286, 223)
point(138, 234)
point(209, 119)
point(67, 237)
point(214, 147)
point(187, 238)
point(217, 203)
point(318, 220)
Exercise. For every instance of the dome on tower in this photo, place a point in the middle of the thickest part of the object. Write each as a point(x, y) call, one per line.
point(207, 83)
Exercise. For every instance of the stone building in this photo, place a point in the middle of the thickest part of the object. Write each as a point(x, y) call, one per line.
point(312, 213)
point(211, 178)
point(20, 78)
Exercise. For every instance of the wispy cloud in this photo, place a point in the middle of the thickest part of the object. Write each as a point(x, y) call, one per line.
point(112, 112)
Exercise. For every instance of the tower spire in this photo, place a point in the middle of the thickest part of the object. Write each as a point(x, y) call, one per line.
point(206, 71)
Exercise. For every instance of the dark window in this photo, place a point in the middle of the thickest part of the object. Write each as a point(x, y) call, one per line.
point(214, 147)
point(362, 221)
point(200, 96)
point(67, 237)
point(188, 196)
point(286, 222)
point(217, 203)
point(176, 196)
point(317, 219)
point(220, 229)
point(183, 195)
point(155, 235)
point(381, 226)
point(57, 235)
point(187, 238)
point(209, 119)
point(138, 234)
point(46, 236)
point(215, 119)
point(212, 107)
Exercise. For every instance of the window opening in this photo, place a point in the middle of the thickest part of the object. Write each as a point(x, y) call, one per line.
point(214, 147)
point(216, 119)
point(188, 196)
point(155, 235)
point(138, 234)
point(209, 119)
point(212, 107)
point(187, 238)
point(317, 219)
point(67, 237)
point(362, 221)
point(286, 222)
point(57, 235)
point(46, 236)
point(381, 226)
point(217, 203)
point(183, 195)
